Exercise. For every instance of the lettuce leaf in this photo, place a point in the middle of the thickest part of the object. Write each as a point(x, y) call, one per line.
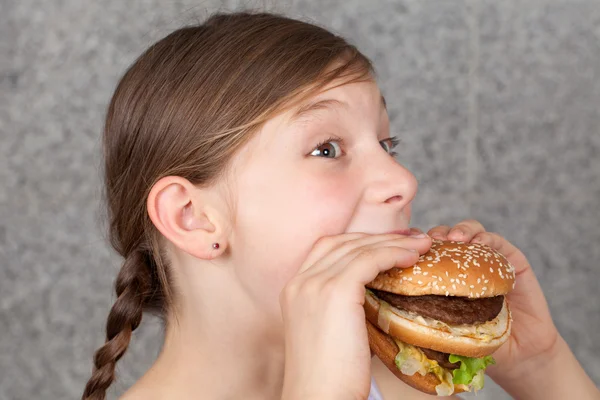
point(471, 370)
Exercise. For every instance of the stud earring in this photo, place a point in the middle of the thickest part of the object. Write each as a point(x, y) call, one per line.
point(215, 246)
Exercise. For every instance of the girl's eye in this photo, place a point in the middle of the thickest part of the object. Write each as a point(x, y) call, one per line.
point(389, 145)
point(329, 149)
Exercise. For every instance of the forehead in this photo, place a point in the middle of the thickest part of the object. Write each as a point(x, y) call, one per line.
point(360, 96)
point(359, 105)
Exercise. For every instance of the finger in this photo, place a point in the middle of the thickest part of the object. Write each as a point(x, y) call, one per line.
point(465, 230)
point(439, 232)
point(504, 247)
point(420, 246)
point(340, 278)
point(369, 263)
point(348, 250)
point(326, 244)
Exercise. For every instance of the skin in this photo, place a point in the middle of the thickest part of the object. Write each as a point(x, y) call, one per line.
point(301, 231)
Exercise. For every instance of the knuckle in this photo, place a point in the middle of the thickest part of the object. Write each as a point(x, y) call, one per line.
point(311, 287)
point(290, 291)
point(330, 287)
point(323, 242)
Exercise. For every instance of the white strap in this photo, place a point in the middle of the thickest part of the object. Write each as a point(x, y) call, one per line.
point(375, 394)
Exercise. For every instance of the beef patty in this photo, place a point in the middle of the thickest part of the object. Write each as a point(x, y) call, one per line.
point(452, 310)
point(441, 358)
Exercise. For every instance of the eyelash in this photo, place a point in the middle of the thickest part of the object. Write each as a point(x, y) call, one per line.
point(393, 143)
point(331, 139)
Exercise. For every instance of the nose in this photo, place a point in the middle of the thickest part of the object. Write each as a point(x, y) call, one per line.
point(389, 182)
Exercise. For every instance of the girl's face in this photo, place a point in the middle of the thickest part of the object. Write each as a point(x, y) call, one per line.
point(326, 171)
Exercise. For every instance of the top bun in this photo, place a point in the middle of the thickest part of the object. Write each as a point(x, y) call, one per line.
point(452, 269)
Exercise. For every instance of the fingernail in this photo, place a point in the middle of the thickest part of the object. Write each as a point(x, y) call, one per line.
point(412, 250)
point(418, 235)
point(458, 232)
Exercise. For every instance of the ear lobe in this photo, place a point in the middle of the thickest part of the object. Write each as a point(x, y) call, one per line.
point(184, 215)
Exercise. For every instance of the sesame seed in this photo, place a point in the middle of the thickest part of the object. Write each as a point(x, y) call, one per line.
point(471, 286)
point(410, 279)
point(478, 280)
point(454, 286)
point(486, 281)
point(420, 282)
point(491, 270)
point(484, 288)
point(447, 293)
point(443, 287)
point(425, 273)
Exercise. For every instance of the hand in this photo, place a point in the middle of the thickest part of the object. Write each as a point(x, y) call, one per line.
point(536, 362)
point(327, 353)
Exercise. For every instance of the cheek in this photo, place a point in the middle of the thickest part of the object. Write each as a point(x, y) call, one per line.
point(279, 219)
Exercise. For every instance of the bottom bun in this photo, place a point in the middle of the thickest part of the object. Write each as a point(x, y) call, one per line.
point(384, 347)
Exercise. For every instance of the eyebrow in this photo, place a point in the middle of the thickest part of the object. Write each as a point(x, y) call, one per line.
point(326, 104)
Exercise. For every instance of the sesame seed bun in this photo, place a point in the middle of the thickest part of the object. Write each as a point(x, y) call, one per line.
point(384, 347)
point(451, 269)
point(471, 327)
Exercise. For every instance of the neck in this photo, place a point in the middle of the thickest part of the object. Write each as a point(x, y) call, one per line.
point(227, 353)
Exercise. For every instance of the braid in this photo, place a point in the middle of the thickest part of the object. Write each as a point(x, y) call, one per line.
point(133, 287)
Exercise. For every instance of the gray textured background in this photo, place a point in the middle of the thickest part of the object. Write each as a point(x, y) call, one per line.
point(497, 103)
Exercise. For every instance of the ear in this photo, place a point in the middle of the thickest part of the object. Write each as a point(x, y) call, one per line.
point(185, 215)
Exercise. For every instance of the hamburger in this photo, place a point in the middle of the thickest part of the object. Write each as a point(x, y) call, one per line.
point(436, 324)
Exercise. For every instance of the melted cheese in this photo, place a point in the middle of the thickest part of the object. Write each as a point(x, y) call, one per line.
point(486, 331)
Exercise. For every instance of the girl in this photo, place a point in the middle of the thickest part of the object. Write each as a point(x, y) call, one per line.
point(253, 192)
